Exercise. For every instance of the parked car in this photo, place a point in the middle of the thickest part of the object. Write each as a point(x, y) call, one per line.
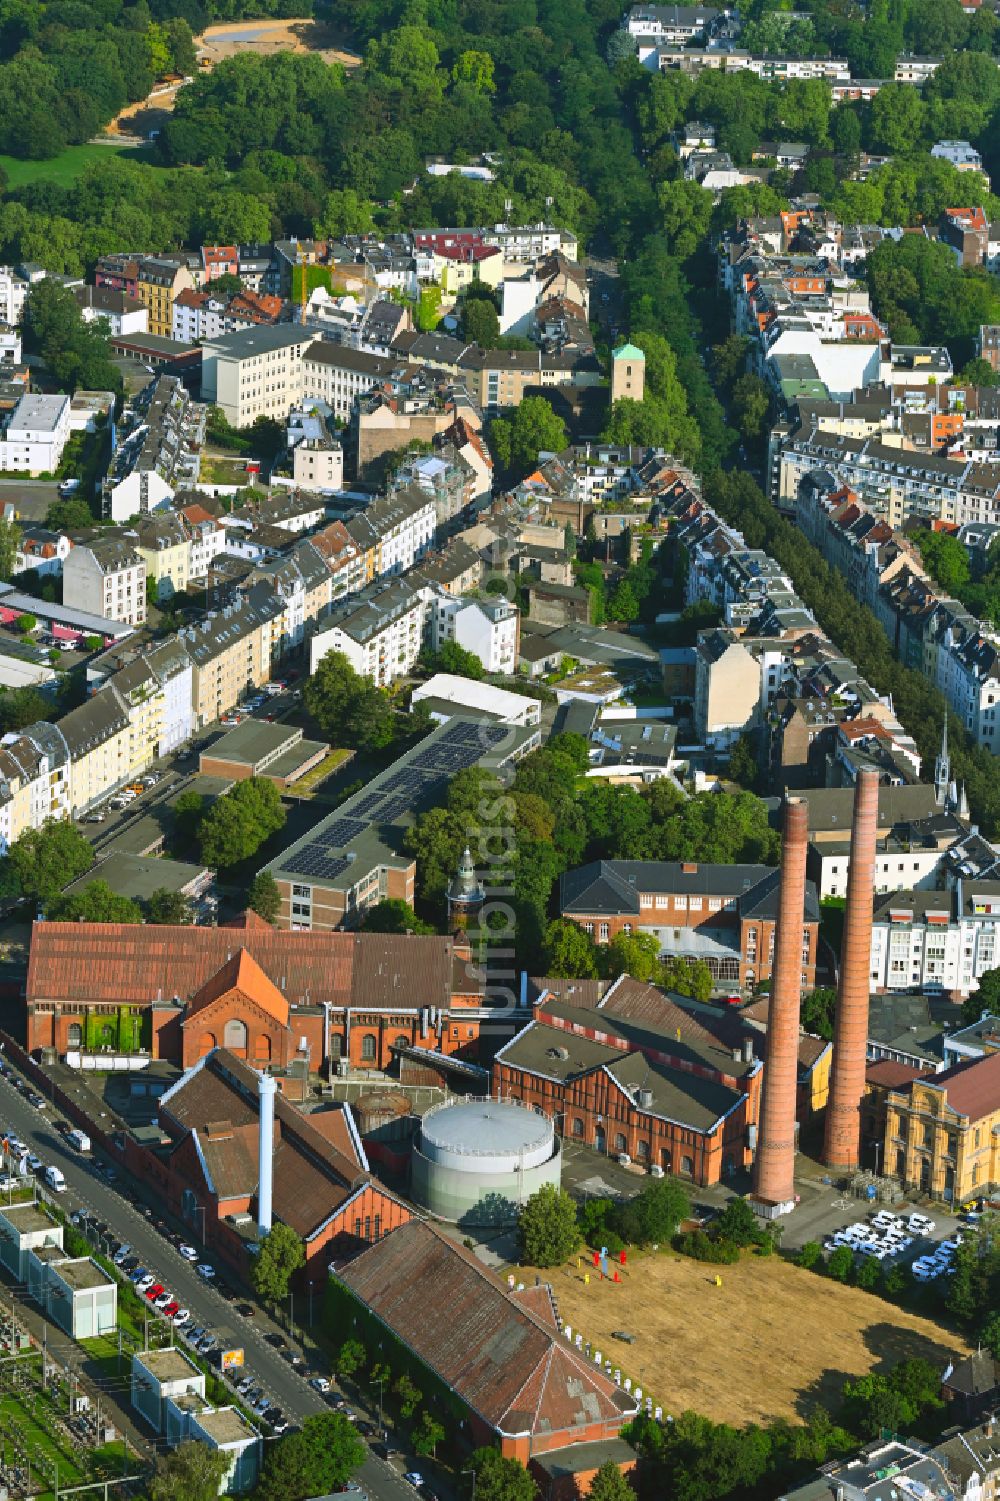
point(143, 1280)
point(182, 1316)
point(919, 1224)
point(204, 1270)
point(188, 1252)
point(154, 1290)
point(320, 1383)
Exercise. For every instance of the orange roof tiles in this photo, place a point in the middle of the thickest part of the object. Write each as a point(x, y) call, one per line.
point(243, 975)
point(109, 963)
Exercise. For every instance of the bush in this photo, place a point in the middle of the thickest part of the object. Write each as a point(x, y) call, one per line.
point(702, 1247)
point(840, 1264)
point(810, 1255)
point(867, 1274)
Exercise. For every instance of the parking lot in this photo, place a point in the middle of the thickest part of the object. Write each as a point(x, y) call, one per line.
point(910, 1239)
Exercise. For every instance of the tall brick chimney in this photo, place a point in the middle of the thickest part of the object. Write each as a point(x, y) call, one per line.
point(842, 1143)
point(774, 1164)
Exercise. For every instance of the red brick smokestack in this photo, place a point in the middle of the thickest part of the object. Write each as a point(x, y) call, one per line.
point(842, 1145)
point(775, 1161)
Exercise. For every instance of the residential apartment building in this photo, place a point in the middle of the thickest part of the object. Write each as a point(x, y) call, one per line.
point(723, 914)
point(232, 651)
point(159, 450)
point(42, 550)
point(98, 735)
point(394, 531)
point(35, 434)
point(207, 538)
point(163, 543)
point(486, 628)
point(107, 576)
point(258, 372)
point(896, 483)
point(34, 781)
point(380, 632)
point(883, 570)
point(937, 940)
point(122, 313)
point(159, 280)
point(13, 296)
point(338, 375)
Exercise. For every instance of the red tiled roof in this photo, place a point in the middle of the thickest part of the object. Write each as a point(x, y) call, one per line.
point(973, 1088)
point(196, 514)
point(496, 1354)
point(315, 1172)
point(95, 963)
point(243, 975)
point(892, 1075)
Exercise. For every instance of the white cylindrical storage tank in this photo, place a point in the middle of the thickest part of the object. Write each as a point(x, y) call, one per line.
point(477, 1161)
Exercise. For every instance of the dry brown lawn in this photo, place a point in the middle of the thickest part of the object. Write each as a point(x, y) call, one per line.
point(771, 1342)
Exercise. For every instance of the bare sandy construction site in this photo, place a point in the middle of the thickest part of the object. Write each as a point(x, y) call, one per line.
point(230, 37)
point(771, 1342)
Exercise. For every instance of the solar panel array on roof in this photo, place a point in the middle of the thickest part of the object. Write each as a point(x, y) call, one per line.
point(340, 833)
point(459, 746)
point(315, 860)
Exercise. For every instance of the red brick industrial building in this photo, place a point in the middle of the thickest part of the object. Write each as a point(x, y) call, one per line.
point(268, 996)
point(497, 1365)
point(635, 1072)
point(204, 1162)
point(724, 914)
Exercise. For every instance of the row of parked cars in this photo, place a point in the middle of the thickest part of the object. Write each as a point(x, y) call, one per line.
point(200, 1338)
point(255, 701)
point(124, 796)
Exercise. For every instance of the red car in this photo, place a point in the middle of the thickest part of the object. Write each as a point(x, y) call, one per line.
point(154, 1291)
point(170, 1309)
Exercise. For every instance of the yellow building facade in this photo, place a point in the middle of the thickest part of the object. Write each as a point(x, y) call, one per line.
point(942, 1132)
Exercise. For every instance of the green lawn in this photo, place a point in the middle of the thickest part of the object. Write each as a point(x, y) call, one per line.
point(62, 169)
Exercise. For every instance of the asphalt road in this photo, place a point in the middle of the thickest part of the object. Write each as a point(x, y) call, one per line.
point(87, 1189)
point(31, 497)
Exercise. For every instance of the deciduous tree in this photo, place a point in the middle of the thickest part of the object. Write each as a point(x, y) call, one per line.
point(239, 822)
point(192, 1472)
point(45, 860)
point(264, 898)
point(280, 1254)
point(316, 1461)
point(547, 1228)
point(172, 908)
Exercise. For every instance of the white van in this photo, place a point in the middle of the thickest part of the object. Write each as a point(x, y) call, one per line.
point(78, 1139)
point(55, 1180)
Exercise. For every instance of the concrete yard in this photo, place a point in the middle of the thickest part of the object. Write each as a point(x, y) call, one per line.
point(771, 1342)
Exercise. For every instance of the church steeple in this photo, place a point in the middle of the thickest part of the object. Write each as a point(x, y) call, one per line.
point(942, 769)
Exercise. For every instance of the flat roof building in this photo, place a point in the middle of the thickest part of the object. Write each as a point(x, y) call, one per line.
point(75, 1293)
point(256, 748)
point(354, 857)
point(465, 694)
